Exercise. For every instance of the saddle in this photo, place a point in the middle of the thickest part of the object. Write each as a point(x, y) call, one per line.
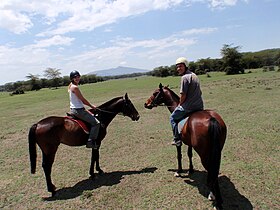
point(181, 124)
point(84, 125)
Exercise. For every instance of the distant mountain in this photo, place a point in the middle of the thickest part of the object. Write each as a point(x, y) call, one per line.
point(120, 70)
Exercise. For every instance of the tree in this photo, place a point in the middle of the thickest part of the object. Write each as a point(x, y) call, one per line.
point(34, 81)
point(54, 75)
point(232, 59)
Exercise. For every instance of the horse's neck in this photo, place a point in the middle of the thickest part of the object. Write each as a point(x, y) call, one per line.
point(106, 118)
point(172, 100)
point(108, 111)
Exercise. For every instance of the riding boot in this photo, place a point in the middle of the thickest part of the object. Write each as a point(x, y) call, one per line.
point(177, 137)
point(92, 144)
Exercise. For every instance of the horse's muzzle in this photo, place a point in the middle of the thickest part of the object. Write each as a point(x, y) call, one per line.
point(148, 106)
point(136, 118)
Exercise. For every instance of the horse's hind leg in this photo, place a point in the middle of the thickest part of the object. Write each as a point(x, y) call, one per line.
point(215, 194)
point(47, 166)
point(190, 155)
point(219, 200)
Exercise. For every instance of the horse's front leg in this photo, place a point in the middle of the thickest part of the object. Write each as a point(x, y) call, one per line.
point(97, 163)
point(179, 158)
point(190, 155)
point(94, 160)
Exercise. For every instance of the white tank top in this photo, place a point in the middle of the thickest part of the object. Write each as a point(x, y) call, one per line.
point(75, 102)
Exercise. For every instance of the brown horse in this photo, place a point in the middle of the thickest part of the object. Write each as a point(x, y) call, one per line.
point(205, 131)
point(48, 133)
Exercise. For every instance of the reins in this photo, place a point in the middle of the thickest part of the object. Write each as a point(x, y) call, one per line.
point(102, 110)
point(165, 105)
point(110, 112)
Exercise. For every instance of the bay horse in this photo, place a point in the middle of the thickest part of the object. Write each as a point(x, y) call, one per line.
point(205, 131)
point(49, 132)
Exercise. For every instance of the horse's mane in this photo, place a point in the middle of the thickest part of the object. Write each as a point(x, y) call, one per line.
point(106, 104)
point(173, 94)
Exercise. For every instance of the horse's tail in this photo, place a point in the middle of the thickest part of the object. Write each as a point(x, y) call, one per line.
point(215, 152)
point(32, 148)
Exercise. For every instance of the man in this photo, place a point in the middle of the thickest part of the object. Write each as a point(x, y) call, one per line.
point(190, 97)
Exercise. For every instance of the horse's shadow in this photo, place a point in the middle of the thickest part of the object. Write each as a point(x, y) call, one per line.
point(106, 179)
point(231, 197)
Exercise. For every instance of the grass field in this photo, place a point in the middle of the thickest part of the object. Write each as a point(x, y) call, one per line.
point(137, 157)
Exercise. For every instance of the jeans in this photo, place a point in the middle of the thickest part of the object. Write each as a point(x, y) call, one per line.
point(178, 114)
point(88, 117)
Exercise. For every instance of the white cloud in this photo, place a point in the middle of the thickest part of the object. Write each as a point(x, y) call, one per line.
point(14, 21)
point(121, 48)
point(218, 4)
point(222, 3)
point(199, 31)
point(55, 40)
point(132, 52)
point(79, 15)
point(82, 15)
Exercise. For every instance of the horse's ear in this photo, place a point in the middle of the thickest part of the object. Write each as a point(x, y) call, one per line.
point(160, 86)
point(126, 96)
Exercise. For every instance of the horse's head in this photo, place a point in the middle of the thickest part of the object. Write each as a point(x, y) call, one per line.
point(129, 109)
point(156, 98)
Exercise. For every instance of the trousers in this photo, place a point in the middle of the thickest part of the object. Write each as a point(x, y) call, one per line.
point(178, 114)
point(83, 114)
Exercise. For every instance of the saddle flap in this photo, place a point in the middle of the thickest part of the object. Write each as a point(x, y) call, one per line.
point(181, 124)
point(81, 123)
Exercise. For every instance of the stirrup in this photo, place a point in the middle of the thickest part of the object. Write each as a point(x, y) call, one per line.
point(177, 143)
point(92, 144)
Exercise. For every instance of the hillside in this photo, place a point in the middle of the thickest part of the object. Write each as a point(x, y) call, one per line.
point(120, 70)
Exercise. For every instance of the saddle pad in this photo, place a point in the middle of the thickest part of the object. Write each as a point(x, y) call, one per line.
point(80, 123)
point(181, 124)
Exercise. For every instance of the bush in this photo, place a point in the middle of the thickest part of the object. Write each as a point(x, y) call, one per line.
point(268, 68)
point(199, 71)
point(265, 69)
point(271, 68)
point(17, 92)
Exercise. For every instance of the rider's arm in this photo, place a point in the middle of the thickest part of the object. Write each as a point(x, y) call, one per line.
point(183, 98)
point(78, 93)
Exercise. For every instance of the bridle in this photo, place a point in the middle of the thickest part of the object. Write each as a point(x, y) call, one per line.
point(156, 99)
point(126, 107)
point(122, 113)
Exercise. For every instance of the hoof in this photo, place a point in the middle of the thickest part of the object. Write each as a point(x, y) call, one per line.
point(100, 172)
point(191, 171)
point(211, 197)
point(177, 174)
point(52, 190)
point(53, 193)
point(218, 208)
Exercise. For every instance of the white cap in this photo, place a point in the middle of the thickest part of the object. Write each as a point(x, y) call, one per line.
point(182, 60)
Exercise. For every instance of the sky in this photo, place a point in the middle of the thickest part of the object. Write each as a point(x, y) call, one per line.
point(90, 35)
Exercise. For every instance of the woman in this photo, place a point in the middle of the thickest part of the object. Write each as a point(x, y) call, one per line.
point(77, 102)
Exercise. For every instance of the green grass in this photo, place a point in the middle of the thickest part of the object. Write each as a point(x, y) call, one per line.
point(136, 156)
